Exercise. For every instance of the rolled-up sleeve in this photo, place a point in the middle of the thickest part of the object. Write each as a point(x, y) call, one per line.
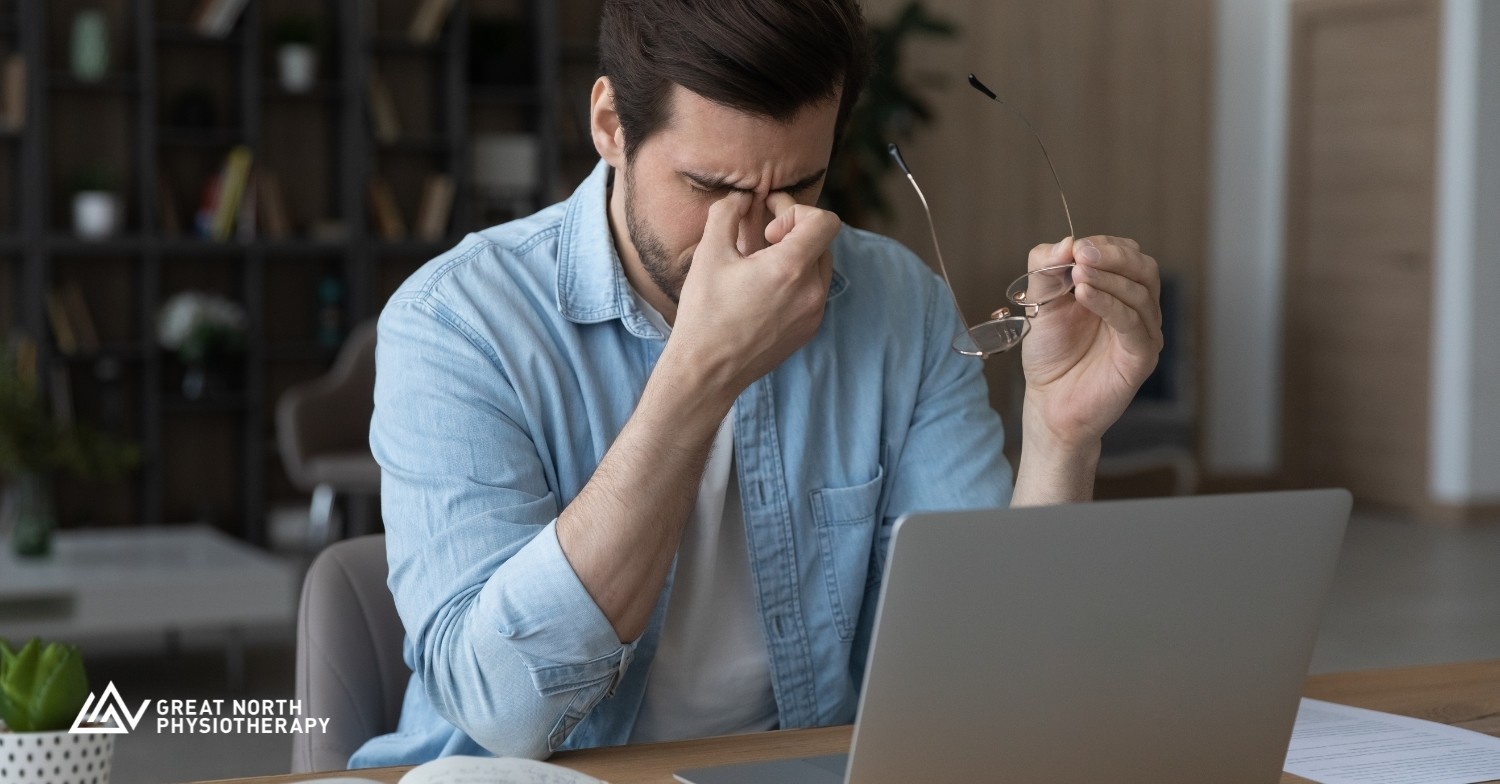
point(508, 644)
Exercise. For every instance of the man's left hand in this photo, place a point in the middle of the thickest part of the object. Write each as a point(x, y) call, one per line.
point(1090, 351)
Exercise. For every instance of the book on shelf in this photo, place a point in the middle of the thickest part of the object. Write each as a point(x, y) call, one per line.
point(231, 191)
point(216, 18)
point(13, 94)
point(79, 318)
point(62, 328)
point(72, 325)
point(271, 211)
point(387, 216)
point(24, 349)
point(436, 207)
point(384, 121)
point(208, 205)
point(222, 195)
point(245, 220)
point(427, 21)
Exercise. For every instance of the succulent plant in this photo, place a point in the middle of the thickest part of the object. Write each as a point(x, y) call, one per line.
point(42, 687)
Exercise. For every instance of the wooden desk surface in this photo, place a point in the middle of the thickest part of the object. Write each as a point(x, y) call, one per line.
point(1463, 695)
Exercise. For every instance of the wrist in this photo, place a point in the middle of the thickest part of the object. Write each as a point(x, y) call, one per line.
point(691, 386)
point(1053, 437)
point(1055, 467)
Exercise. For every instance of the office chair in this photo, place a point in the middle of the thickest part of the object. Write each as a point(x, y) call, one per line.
point(349, 665)
point(323, 434)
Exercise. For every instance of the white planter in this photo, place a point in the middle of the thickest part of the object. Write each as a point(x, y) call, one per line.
point(96, 214)
point(299, 67)
point(54, 757)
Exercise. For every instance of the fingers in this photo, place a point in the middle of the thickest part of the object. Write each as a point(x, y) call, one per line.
point(723, 226)
point(1050, 255)
point(753, 223)
point(1127, 306)
point(1122, 257)
point(800, 227)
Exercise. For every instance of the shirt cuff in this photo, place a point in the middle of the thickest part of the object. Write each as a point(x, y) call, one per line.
point(537, 604)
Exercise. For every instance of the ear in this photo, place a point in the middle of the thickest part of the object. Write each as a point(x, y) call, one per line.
point(604, 124)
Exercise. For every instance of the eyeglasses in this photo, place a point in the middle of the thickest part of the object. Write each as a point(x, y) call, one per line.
point(1029, 292)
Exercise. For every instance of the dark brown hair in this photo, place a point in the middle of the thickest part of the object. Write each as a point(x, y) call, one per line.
point(765, 57)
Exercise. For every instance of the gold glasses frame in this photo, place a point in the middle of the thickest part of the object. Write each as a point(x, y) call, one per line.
point(1003, 331)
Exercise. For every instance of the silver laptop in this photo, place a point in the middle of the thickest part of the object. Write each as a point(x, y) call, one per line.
point(1127, 641)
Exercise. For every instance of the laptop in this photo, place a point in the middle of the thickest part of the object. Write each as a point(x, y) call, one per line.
point(1161, 640)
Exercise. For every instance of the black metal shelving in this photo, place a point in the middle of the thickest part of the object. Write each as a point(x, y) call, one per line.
point(252, 271)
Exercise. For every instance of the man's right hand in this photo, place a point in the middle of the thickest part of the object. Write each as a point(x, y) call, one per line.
point(739, 316)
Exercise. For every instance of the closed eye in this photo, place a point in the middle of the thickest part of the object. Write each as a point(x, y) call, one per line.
point(712, 186)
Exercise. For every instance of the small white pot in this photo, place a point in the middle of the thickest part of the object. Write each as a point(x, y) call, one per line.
point(96, 214)
point(54, 757)
point(507, 164)
point(299, 67)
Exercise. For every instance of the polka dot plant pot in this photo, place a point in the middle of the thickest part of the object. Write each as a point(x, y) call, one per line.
point(54, 757)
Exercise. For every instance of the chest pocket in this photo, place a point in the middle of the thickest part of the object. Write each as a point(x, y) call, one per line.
point(846, 519)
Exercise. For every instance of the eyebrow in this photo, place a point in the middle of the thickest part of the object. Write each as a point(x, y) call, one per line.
point(715, 182)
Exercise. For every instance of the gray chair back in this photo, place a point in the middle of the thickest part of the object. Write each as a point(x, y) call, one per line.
point(331, 413)
point(349, 665)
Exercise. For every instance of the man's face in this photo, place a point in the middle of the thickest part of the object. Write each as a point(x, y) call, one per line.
point(702, 154)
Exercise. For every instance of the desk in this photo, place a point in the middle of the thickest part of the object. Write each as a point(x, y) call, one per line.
point(1464, 695)
point(115, 581)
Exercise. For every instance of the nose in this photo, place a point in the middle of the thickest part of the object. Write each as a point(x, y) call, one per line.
point(753, 226)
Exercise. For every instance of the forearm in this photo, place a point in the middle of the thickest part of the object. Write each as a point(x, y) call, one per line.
point(622, 531)
point(1053, 470)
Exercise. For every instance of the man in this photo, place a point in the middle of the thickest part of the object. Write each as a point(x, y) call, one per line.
point(642, 451)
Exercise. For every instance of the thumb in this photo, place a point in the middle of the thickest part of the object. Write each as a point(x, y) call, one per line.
point(784, 208)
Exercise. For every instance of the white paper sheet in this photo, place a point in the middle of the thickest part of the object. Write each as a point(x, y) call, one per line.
point(490, 770)
point(1337, 744)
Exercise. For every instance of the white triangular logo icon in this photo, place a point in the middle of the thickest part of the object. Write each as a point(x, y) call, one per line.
point(110, 716)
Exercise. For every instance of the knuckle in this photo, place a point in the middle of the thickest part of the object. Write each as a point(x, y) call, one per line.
point(825, 219)
point(785, 274)
point(816, 297)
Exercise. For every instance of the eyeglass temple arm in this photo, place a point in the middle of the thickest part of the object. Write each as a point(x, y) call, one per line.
point(896, 153)
point(978, 85)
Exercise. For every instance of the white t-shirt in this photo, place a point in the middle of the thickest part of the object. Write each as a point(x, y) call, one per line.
point(712, 672)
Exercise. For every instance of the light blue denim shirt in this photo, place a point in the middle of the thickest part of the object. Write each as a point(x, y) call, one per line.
point(508, 365)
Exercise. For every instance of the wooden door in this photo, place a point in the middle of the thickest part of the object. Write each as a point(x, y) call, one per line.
point(1359, 266)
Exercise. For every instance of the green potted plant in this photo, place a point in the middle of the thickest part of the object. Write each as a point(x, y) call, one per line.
point(35, 446)
point(43, 688)
point(889, 109)
point(296, 53)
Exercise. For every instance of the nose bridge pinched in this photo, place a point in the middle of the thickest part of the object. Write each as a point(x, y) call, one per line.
point(753, 224)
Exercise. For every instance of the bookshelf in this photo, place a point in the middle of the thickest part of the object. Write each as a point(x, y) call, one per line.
point(171, 106)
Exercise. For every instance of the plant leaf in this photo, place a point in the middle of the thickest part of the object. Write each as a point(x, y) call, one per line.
point(41, 688)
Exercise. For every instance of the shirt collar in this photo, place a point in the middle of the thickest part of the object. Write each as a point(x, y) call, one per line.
point(591, 282)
